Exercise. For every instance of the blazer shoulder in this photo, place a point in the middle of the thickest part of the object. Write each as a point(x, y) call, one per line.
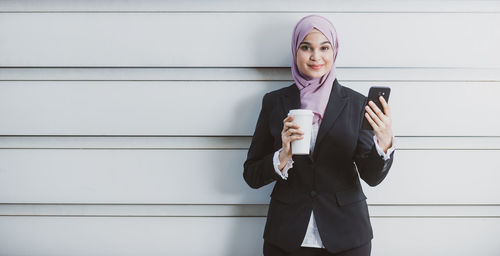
point(272, 95)
point(282, 91)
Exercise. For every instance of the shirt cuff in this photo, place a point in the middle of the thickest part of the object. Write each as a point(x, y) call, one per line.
point(387, 155)
point(276, 162)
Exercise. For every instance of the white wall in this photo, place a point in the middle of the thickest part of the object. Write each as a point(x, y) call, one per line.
point(109, 145)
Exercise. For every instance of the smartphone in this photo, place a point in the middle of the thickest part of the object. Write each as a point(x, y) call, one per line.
point(373, 95)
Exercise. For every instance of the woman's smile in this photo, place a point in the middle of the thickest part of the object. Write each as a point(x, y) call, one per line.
point(315, 66)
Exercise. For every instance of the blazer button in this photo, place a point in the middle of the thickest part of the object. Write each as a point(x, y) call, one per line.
point(313, 194)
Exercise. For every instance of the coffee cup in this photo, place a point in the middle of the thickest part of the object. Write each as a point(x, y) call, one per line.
point(303, 118)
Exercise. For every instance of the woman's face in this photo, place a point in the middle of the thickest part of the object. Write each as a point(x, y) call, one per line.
point(315, 55)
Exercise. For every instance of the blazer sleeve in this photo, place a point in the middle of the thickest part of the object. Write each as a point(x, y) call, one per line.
point(371, 166)
point(258, 169)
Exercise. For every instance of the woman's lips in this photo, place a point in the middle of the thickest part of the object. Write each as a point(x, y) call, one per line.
point(315, 67)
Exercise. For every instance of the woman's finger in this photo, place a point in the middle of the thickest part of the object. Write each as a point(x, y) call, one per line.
point(372, 123)
point(296, 137)
point(289, 125)
point(385, 105)
point(287, 121)
point(377, 110)
point(374, 116)
point(294, 131)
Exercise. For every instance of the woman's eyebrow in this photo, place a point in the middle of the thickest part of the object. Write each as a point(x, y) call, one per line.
point(325, 42)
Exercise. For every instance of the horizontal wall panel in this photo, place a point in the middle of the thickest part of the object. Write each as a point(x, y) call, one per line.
point(232, 210)
point(53, 236)
point(183, 108)
point(244, 74)
point(126, 176)
point(440, 177)
point(247, 6)
point(132, 108)
point(225, 142)
point(195, 236)
point(159, 176)
point(435, 236)
point(236, 39)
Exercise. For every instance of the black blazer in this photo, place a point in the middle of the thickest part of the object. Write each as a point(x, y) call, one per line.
point(327, 181)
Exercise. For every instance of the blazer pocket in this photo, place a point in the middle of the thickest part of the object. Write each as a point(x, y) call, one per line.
point(283, 195)
point(347, 197)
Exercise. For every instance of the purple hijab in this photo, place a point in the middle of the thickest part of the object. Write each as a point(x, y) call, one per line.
point(315, 92)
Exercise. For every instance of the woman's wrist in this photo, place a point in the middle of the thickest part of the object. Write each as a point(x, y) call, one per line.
point(384, 144)
point(387, 146)
point(283, 160)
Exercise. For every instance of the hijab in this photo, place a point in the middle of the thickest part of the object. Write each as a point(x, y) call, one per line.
point(314, 92)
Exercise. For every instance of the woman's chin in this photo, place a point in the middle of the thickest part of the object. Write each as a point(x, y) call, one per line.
point(315, 73)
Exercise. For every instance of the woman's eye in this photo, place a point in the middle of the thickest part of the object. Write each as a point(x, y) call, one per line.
point(325, 48)
point(304, 47)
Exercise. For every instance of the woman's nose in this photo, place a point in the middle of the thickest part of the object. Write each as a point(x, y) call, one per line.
point(314, 55)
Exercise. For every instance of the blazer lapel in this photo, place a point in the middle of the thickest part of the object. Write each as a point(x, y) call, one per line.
point(336, 104)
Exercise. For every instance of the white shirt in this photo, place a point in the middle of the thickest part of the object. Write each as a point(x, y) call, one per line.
point(312, 238)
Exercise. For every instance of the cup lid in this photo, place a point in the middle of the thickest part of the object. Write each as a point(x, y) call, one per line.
point(300, 112)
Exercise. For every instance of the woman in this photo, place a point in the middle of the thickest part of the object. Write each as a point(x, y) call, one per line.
point(317, 205)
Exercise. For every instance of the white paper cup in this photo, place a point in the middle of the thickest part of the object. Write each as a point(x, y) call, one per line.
point(303, 118)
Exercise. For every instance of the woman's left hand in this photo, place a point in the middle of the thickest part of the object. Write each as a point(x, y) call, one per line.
point(381, 123)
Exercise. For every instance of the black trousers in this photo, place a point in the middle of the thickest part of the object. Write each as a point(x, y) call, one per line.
point(272, 250)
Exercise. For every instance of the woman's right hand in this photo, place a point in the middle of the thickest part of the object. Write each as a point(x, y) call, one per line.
point(289, 133)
